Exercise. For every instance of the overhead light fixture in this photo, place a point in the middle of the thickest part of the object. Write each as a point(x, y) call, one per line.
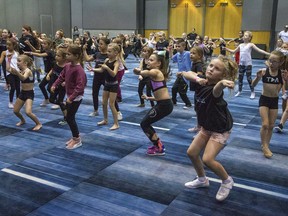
point(239, 3)
point(198, 4)
point(211, 4)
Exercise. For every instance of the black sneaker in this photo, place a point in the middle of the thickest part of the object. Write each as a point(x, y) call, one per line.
point(279, 128)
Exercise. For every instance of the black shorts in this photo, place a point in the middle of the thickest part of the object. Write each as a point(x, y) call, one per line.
point(24, 95)
point(270, 102)
point(111, 87)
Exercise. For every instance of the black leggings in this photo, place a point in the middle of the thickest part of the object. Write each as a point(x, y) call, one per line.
point(160, 110)
point(42, 86)
point(142, 83)
point(14, 82)
point(59, 94)
point(180, 86)
point(97, 82)
point(70, 118)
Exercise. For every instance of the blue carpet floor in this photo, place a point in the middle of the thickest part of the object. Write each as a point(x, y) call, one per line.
point(111, 175)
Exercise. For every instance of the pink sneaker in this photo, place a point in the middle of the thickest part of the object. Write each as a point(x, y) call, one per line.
point(75, 143)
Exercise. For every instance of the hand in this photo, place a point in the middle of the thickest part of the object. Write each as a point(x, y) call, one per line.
point(228, 83)
point(89, 68)
point(145, 97)
point(179, 74)
point(140, 77)
point(68, 101)
point(259, 74)
point(104, 67)
point(137, 71)
point(48, 77)
point(52, 89)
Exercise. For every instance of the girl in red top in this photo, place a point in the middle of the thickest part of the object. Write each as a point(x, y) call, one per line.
point(75, 81)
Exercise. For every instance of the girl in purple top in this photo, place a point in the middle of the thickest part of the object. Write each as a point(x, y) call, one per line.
point(75, 81)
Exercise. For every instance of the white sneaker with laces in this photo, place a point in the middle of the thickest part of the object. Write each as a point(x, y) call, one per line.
point(252, 95)
point(197, 184)
point(237, 94)
point(224, 190)
point(119, 116)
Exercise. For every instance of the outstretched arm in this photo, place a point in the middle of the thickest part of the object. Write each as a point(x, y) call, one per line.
point(259, 50)
point(218, 88)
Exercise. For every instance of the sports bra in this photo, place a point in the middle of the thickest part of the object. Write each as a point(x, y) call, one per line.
point(29, 80)
point(158, 85)
point(268, 78)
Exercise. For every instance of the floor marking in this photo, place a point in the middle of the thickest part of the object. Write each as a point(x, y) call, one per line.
point(136, 124)
point(259, 190)
point(36, 179)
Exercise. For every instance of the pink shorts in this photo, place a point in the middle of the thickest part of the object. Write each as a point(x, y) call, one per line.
point(217, 137)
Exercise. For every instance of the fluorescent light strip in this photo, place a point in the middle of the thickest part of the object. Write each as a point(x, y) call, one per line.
point(35, 179)
point(259, 190)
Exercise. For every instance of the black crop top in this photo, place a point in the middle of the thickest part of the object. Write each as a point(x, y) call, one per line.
point(268, 78)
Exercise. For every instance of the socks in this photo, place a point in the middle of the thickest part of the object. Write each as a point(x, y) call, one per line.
point(202, 179)
point(228, 180)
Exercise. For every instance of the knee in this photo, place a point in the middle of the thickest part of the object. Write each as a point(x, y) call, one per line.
point(207, 161)
point(29, 113)
point(191, 154)
point(265, 127)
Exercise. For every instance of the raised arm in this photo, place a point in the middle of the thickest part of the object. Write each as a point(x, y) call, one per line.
point(259, 75)
point(233, 51)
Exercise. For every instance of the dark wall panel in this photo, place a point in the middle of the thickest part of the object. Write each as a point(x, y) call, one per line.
point(156, 14)
point(109, 14)
point(257, 15)
point(282, 15)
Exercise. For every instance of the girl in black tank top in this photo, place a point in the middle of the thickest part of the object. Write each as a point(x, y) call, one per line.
point(110, 69)
point(144, 81)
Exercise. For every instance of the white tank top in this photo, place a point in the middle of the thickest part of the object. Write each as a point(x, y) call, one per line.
point(245, 54)
point(12, 59)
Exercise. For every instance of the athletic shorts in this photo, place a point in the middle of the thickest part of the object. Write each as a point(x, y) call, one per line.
point(111, 87)
point(217, 137)
point(24, 95)
point(270, 102)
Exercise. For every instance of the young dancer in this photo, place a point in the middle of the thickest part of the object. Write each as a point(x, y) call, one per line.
point(48, 55)
point(196, 55)
point(75, 80)
point(158, 75)
point(26, 95)
point(180, 85)
point(215, 120)
point(57, 97)
point(268, 102)
point(10, 55)
point(145, 81)
point(245, 62)
point(110, 69)
point(98, 78)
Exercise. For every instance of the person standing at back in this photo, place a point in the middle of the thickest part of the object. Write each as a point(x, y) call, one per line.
point(245, 63)
point(284, 34)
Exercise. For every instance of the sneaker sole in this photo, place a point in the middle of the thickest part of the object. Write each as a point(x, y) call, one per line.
point(75, 146)
point(156, 154)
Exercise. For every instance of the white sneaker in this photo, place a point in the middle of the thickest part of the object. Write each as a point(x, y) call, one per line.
point(93, 114)
point(10, 105)
point(44, 103)
point(119, 116)
point(252, 95)
point(224, 190)
point(237, 94)
point(284, 96)
point(55, 107)
point(197, 184)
